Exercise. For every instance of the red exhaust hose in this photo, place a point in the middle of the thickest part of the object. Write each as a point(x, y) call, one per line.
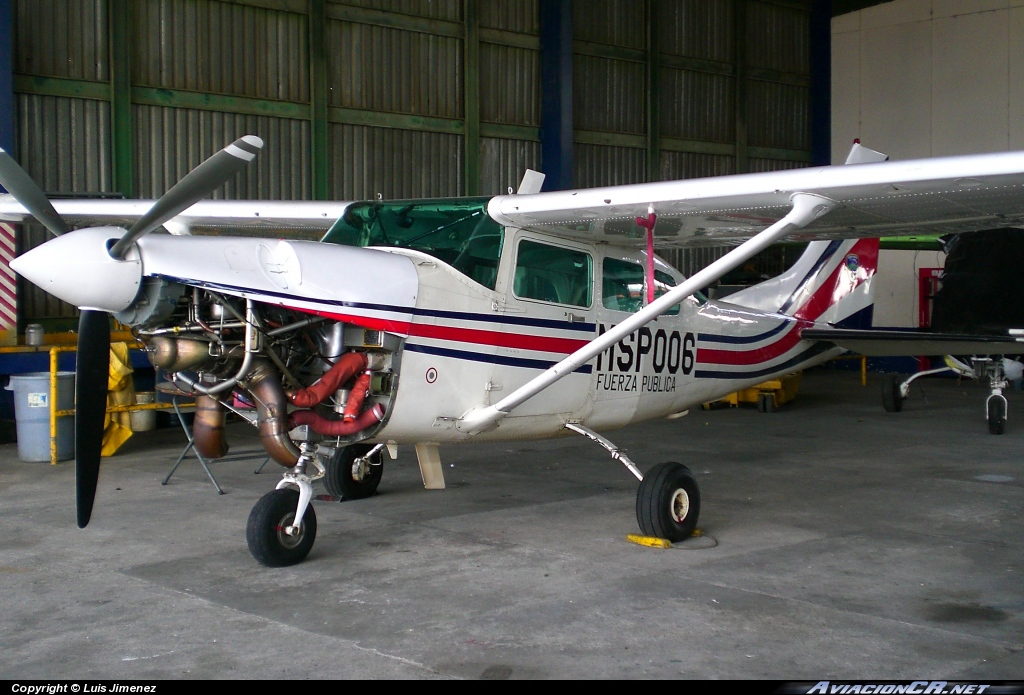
point(350, 364)
point(355, 399)
point(337, 428)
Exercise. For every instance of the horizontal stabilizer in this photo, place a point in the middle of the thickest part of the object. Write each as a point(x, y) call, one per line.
point(911, 343)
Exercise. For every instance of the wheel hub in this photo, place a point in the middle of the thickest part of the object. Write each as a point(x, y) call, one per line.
point(360, 468)
point(680, 505)
point(289, 536)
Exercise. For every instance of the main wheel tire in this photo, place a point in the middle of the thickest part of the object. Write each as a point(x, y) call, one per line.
point(265, 534)
point(996, 416)
point(668, 502)
point(341, 482)
point(892, 400)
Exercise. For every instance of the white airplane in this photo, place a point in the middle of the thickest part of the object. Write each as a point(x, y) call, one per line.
point(435, 322)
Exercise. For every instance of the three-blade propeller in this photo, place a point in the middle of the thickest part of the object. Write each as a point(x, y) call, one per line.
point(94, 326)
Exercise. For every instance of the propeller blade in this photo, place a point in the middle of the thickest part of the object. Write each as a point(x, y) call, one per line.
point(90, 405)
point(28, 193)
point(196, 185)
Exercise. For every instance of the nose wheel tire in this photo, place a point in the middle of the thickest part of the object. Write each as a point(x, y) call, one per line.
point(668, 502)
point(351, 479)
point(267, 529)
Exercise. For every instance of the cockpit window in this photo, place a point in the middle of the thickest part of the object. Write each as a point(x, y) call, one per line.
point(456, 231)
point(553, 274)
point(623, 286)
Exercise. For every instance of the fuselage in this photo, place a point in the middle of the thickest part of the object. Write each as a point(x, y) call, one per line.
point(465, 311)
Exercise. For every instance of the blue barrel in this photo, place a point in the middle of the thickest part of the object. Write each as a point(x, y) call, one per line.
point(32, 415)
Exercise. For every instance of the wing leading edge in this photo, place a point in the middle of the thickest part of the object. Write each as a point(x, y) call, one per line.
point(207, 214)
point(927, 196)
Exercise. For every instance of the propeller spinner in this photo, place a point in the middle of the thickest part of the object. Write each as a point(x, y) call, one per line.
point(79, 269)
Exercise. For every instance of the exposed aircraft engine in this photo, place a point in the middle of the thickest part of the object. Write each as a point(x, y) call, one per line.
point(309, 379)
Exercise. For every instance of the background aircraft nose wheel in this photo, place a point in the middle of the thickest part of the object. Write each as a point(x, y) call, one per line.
point(996, 407)
point(668, 502)
point(892, 399)
point(269, 542)
point(351, 479)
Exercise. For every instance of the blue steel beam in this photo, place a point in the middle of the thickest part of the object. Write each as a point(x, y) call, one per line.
point(556, 93)
point(821, 83)
point(6, 76)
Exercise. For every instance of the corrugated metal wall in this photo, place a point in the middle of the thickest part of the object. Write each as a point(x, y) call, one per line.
point(397, 107)
point(210, 46)
point(711, 87)
point(395, 163)
point(732, 81)
point(170, 142)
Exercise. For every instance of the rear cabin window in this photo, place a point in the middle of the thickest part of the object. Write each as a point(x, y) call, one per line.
point(456, 231)
point(553, 274)
point(622, 287)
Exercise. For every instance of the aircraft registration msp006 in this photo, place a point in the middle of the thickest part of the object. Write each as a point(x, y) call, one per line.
point(431, 322)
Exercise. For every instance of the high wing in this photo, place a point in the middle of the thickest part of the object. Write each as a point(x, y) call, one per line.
point(243, 215)
point(926, 196)
point(929, 196)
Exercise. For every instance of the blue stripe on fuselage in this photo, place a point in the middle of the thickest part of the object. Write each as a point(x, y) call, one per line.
point(490, 359)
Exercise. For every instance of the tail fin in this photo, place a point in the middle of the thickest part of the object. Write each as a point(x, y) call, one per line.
point(830, 283)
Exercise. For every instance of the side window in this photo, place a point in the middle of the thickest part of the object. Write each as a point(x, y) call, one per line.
point(623, 286)
point(553, 274)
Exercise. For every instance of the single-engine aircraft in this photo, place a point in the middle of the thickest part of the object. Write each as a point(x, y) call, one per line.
point(528, 315)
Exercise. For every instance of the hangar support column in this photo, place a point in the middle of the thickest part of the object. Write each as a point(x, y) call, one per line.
point(556, 93)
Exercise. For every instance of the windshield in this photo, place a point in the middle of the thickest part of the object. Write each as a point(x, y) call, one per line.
point(456, 231)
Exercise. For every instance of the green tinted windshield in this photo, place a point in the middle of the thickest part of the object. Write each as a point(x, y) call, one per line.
point(456, 231)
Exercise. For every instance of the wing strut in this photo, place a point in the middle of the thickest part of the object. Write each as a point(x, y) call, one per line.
point(806, 208)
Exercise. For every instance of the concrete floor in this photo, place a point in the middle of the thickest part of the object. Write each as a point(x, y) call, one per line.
point(843, 542)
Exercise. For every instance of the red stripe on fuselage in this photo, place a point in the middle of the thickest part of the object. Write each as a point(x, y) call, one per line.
point(515, 341)
point(755, 356)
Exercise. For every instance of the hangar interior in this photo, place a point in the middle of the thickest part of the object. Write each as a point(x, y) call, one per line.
point(835, 543)
point(411, 99)
point(433, 99)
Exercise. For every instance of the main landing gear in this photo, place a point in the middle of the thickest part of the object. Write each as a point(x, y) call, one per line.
point(354, 472)
point(996, 369)
point(668, 499)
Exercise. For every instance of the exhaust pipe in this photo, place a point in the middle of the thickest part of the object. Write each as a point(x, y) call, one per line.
point(272, 412)
point(208, 428)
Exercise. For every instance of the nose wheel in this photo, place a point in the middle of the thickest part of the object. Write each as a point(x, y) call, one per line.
point(273, 538)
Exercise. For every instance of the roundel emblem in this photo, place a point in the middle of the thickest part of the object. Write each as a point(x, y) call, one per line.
point(852, 262)
point(431, 375)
